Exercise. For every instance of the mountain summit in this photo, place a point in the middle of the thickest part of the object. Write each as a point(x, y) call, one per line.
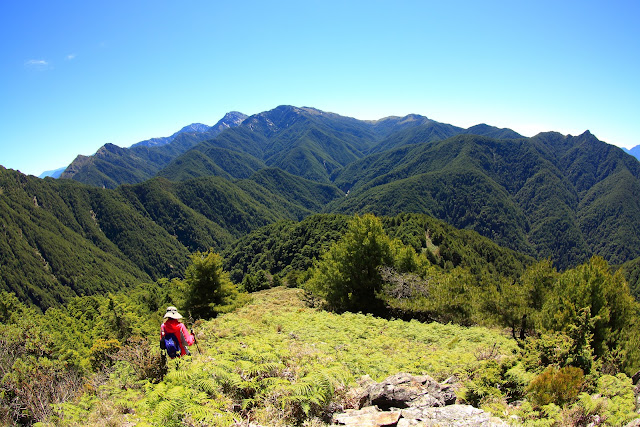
point(231, 119)
point(112, 166)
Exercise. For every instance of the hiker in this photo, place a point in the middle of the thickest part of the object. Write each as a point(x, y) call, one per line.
point(174, 335)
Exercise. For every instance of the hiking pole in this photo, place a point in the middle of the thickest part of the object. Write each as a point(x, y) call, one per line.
point(195, 340)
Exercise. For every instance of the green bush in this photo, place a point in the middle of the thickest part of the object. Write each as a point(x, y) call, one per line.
point(348, 276)
point(147, 362)
point(102, 352)
point(558, 386)
point(209, 290)
point(498, 378)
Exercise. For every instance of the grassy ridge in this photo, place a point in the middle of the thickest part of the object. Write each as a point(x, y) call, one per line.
point(277, 361)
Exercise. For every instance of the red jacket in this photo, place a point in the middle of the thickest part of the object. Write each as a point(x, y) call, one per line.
point(179, 330)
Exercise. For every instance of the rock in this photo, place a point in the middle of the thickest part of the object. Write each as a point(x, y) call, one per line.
point(411, 400)
point(370, 416)
point(405, 390)
point(451, 415)
point(357, 397)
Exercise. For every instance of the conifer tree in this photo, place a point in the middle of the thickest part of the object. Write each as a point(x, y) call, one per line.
point(592, 299)
point(348, 275)
point(209, 288)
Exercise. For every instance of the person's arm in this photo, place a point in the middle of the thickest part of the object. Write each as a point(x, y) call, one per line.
point(186, 336)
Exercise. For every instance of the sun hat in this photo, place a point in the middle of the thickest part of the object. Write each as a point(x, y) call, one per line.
point(172, 313)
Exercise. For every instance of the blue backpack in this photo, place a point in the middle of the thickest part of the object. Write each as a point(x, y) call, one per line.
point(170, 343)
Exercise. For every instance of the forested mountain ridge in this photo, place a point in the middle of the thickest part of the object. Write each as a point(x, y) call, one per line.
point(113, 165)
point(315, 144)
point(61, 238)
point(550, 196)
point(303, 141)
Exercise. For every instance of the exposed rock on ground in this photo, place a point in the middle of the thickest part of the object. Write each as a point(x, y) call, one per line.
point(404, 400)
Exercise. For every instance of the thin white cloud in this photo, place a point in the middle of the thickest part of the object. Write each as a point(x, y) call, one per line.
point(37, 64)
point(71, 56)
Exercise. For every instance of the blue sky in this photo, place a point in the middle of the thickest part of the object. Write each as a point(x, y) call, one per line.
point(75, 75)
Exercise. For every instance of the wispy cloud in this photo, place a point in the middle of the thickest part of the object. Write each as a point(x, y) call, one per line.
point(37, 64)
point(71, 56)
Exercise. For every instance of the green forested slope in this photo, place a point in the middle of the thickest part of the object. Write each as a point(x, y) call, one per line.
point(52, 245)
point(492, 132)
point(211, 161)
point(631, 271)
point(112, 166)
point(157, 199)
point(61, 238)
point(465, 198)
point(289, 248)
point(309, 194)
point(552, 196)
point(429, 131)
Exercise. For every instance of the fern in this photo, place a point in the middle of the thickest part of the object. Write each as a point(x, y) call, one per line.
point(178, 376)
point(264, 369)
point(208, 385)
point(165, 412)
point(248, 403)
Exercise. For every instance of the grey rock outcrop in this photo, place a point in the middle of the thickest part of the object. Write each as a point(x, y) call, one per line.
point(404, 400)
point(368, 416)
point(451, 415)
point(405, 390)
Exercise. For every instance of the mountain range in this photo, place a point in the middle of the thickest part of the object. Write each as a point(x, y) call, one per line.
point(142, 210)
point(635, 151)
point(544, 195)
point(111, 165)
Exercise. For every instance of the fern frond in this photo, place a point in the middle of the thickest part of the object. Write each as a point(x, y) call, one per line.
point(165, 412)
point(178, 376)
point(264, 369)
point(248, 403)
point(198, 412)
point(177, 393)
point(302, 388)
point(208, 385)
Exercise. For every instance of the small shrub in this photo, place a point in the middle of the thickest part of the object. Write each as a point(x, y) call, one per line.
point(34, 386)
point(552, 348)
point(102, 352)
point(146, 363)
point(559, 386)
point(495, 380)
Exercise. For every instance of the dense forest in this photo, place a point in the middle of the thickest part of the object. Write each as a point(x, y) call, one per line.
point(307, 250)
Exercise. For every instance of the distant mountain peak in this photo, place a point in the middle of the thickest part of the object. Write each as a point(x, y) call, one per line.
point(55, 173)
point(231, 119)
point(484, 129)
point(154, 142)
point(274, 120)
point(193, 127)
point(142, 160)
